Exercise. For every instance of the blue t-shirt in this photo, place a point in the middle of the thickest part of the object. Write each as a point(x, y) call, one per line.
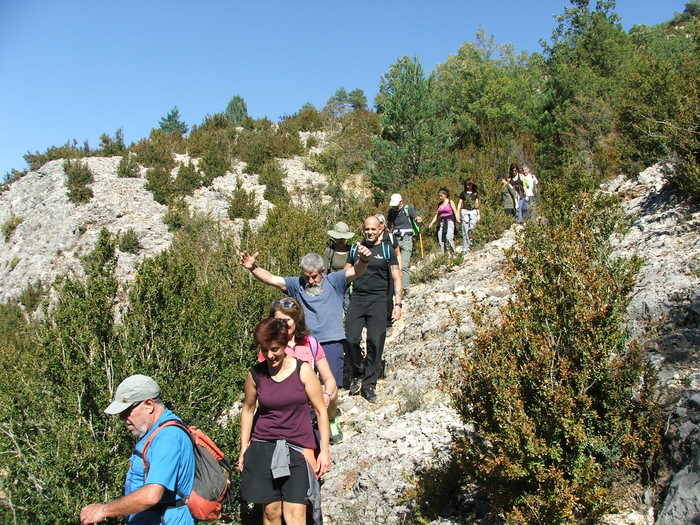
point(172, 465)
point(323, 312)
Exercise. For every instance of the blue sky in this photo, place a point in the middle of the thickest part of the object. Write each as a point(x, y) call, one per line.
point(76, 69)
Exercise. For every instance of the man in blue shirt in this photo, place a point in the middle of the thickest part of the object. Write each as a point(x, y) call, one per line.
point(155, 495)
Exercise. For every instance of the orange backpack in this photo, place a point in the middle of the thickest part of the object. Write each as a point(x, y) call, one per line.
point(211, 479)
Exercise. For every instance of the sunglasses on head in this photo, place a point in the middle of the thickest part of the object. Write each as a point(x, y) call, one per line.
point(284, 303)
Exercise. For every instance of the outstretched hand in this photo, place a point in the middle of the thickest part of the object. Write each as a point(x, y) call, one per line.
point(248, 261)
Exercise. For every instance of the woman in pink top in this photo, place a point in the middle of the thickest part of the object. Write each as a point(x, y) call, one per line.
point(447, 214)
point(305, 347)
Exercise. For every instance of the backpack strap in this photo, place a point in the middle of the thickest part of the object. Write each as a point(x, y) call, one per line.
point(147, 464)
point(353, 252)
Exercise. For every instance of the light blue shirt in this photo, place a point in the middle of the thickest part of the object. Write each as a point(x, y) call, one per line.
point(172, 465)
point(324, 312)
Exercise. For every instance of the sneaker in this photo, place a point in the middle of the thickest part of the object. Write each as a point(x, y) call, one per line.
point(336, 433)
point(369, 395)
point(355, 386)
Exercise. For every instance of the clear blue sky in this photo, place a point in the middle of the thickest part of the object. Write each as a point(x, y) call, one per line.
point(75, 69)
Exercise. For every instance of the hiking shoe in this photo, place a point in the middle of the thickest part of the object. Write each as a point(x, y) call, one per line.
point(355, 386)
point(336, 433)
point(369, 395)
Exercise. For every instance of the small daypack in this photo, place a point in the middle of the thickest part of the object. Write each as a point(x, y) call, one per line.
point(211, 478)
point(385, 252)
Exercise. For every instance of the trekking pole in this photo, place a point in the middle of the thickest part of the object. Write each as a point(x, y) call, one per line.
point(420, 241)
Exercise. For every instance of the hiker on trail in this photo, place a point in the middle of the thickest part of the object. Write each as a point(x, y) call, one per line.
point(305, 347)
point(517, 184)
point(509, 197)
point(277, 460)
point(529, 180)
point(321, 295)
point(154, 495)
point(368, 305)
point(336, 253)
point(447, 214)
point(468, 211)
point(402, 221)
point(392, 241)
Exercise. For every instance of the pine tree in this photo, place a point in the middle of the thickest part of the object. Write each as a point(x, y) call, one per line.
point(171, 122)
point(236, 110)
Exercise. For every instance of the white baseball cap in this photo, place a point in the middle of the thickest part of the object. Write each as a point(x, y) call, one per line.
point(132, 390)
point(395, 199)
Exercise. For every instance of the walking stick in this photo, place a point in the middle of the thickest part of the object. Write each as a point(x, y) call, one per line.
point(420, 241)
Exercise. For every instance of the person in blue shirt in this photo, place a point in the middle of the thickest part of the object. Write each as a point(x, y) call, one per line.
point(156, 495)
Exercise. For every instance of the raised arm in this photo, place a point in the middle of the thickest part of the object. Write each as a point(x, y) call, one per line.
point(250, 397)
point(352, 272)
point(250, 263)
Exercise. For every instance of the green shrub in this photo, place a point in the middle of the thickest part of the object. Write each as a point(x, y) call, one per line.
point(188, 179)
point(215, 163)
point(306, 119)
point(32, 295)
point(562, 405)
point(312, 142)
point(70, 150)
point(242, 204)
point(160, 184)
point(78, 176)
point(272, 176)
point(177, 215)
point(10, 177)
point(262, 144)
point(10, 225)
point(215, 133)
point(129, 242)
point(438, 265)
point(13, 263)
point(112, 146)
point(157, 150)
point(128, 167)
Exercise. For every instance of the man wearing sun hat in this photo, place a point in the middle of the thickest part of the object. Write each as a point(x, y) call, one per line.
point(157, 494)
point(336, 253)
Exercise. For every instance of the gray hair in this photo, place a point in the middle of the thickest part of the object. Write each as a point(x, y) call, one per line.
point(381, 218)
point(312, 262)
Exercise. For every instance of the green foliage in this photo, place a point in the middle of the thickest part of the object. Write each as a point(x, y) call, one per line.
point(32, 295)
point(70, 150)
point(128, 167)
point(438, 265)
point(78, 176)
point(171, 123)
point(160, 184)
point(306, 119)
point(215, 133)
point(272, 176)
point(561, 403)
point(262, 144)
point(414, 141)
point(129, 242)
point(242, 204)
point(10, 177)
point(157, 150)
point(215, 163)
point(188, 178)
point(236, 110)
point(112, 146)
point(10, 225)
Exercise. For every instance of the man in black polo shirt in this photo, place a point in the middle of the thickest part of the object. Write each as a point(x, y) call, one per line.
point(368, 306)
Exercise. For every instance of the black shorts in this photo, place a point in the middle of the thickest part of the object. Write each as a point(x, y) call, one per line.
point(257, 484)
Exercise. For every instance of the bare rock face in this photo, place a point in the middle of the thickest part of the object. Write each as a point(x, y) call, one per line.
point(55, 232)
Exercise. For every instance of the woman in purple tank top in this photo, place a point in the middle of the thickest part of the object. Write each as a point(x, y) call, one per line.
point(447, 214)
point(277, 439)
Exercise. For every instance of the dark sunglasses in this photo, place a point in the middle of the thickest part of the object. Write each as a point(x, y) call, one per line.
point(127, 412)
point(284, 303)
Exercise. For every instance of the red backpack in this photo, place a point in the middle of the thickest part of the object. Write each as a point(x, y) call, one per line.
point(211, 479)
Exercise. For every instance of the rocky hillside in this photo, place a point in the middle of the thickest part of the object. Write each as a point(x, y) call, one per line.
point(51, 233)
point(409, 427)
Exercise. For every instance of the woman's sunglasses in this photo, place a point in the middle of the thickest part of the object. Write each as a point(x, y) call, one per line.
point(284, 303)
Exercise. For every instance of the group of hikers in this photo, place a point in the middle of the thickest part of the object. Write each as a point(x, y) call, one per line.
point(308, 347)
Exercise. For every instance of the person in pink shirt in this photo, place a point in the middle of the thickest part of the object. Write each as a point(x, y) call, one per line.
point(447, 215)
point(306, 348)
